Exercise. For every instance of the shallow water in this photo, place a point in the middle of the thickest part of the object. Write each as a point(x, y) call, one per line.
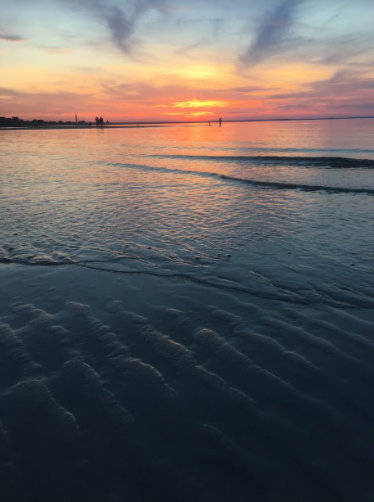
point(119, 200)
point(202, 296)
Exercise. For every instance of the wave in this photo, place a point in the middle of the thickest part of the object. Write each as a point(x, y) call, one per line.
point(325, 162)
point(251, 182)
point(304, 187)
point(260, 149)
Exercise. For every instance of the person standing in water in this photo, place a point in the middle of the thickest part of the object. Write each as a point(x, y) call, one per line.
point(220, 121)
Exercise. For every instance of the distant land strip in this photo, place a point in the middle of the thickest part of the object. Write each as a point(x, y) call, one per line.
point(15, 122)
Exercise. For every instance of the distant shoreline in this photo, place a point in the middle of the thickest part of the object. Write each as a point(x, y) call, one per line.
point(126, 125)
point(73, 126)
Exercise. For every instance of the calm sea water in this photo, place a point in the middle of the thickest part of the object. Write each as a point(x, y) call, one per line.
point(182, 199)
point(187, 313)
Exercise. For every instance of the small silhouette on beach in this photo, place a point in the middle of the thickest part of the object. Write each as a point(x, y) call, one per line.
point(100, 122)
point(220, 121)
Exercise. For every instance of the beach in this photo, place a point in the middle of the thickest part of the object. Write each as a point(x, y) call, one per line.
point(187, 313)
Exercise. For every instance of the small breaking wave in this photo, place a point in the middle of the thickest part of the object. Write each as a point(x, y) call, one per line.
point(257, 183)
point(296, 186)
point(324, 162)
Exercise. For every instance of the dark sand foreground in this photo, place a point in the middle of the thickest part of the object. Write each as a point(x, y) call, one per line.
point(128, 387)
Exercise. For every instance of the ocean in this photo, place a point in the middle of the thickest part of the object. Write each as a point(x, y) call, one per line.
point(187, 313)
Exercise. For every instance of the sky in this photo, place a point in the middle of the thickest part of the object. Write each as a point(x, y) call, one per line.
point(170, 60)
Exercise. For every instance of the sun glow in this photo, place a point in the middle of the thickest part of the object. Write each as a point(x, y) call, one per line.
point(197, 72)
point(192, 114)
point(196, 103)
point(199, 114)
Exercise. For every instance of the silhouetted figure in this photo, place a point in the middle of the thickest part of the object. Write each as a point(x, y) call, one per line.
point(101, 121)
point(209, 122)
point(97, 121)
point(220, 121)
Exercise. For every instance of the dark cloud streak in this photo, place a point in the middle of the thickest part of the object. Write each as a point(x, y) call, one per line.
point(121, 21)
point(7, 37)
point(272, 33)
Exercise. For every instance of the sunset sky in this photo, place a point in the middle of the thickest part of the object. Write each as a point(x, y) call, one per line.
point(186, 59)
